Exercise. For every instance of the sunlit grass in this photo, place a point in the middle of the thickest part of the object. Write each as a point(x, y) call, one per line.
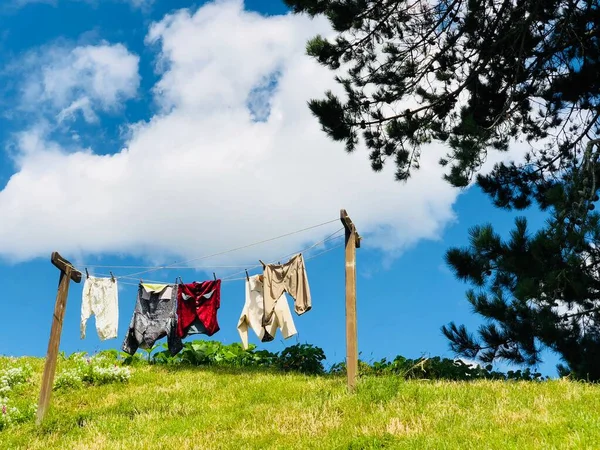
point(218, 408)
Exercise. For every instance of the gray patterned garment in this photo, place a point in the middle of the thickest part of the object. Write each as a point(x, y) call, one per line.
point(154, 317)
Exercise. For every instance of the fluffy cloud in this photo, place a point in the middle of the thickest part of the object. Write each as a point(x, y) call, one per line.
point(64, 81)
point(233, 156)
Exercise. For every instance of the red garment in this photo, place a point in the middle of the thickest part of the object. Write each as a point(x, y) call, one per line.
point(198, 301)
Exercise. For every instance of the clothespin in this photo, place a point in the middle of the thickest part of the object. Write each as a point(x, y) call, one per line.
point(87, 274)
point(263, 264)
point(112, 277)
point(214, 276)
point(247, 276)
point(180, 281)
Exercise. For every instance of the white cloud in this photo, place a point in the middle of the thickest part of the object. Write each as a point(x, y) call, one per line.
point(82, 104)
point(63, 81)
point(202, 176)
point(141, 4)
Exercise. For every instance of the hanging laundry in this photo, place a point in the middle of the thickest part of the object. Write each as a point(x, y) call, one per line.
point(291, 278)
point(253, 312)
point(154, 318)
point(197, 305)
point(100, 298)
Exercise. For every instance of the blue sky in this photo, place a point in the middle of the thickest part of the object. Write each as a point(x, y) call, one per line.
point(140, 133)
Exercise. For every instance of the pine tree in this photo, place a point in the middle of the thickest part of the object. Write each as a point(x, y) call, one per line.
point(474, 74)
point(537, 291)
point(478, 75)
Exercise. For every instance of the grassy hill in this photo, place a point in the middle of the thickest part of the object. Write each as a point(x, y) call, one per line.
point(163, 407)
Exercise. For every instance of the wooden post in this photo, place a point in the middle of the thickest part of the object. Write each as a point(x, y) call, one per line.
point(352, 243)
point(67, 273)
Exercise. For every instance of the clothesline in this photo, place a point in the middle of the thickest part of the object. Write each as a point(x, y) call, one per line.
point(128, 283)
point(180, 265)
point(248, 267)
point(328, 238)
point(331, 237)
point(170, 267)
point(227, 251)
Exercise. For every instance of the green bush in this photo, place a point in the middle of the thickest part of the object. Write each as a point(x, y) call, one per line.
point(10, 414)
point(12, 377)
point(11, 380)
point(304, 358)
point(308, 359)
point(99, 369)
point(202, 353)
point(436, 368)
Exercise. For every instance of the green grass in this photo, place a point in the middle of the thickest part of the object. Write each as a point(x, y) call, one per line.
point(217, 408)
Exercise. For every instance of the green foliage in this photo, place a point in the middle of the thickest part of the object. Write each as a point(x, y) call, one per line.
point(96, 370)
point(524, 375)
point(213, 352)
point(68, 379)
point(12, 379)
point(536, 291)
point(12, 415)
point(305, 358)
point(133, 360)
point(200, 352)
point(473, 75)
point(436, 368)
point(477, 76)
point(308, 359)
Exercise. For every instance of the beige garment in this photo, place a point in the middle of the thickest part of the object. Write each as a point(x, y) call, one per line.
point(252, 315)
point(291, 278)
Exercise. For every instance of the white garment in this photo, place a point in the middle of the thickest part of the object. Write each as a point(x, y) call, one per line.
point(100, 297)
point(252, 314)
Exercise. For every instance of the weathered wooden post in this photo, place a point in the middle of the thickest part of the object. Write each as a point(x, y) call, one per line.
point(67, 273)
point(352, 243)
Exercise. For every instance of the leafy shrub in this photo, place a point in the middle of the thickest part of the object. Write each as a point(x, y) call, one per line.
point(69, 378)
point(304, 358)
point(199, 352)
point(436, 368)
point(12, 415)
point(100, 369)
point(338, 368)
point(524, 375)
point(134, 360)
point(308, 359)
point(12, 377)
point(104, 375)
